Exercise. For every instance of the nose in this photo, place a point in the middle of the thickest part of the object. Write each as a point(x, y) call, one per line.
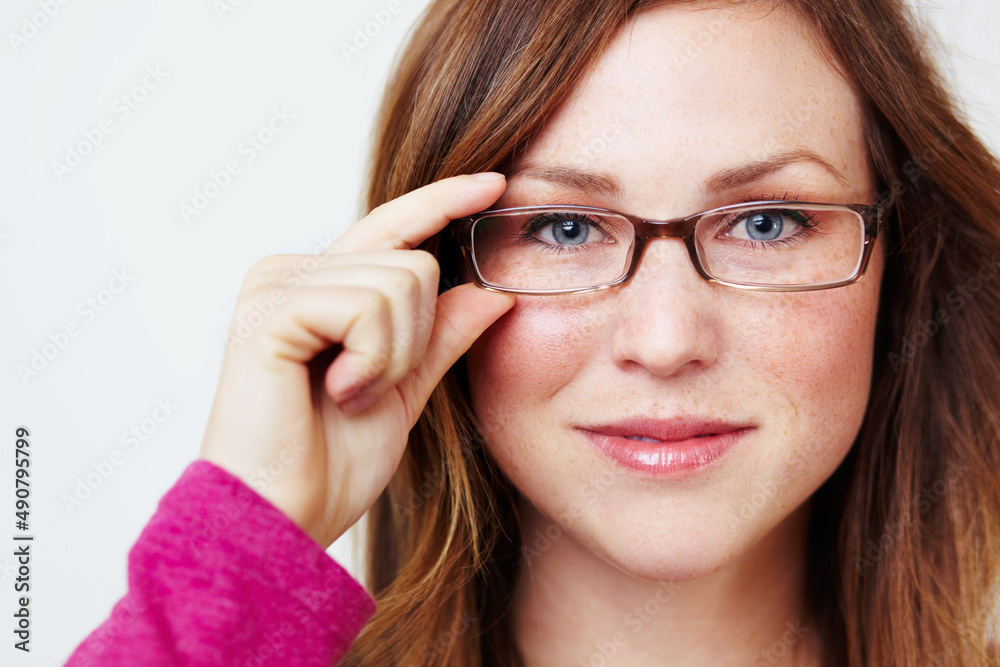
point(665, 322)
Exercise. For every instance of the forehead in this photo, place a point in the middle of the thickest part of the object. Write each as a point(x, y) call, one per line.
point(685, 92)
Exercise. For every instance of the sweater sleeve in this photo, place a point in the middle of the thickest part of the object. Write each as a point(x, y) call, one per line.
point(220, 576)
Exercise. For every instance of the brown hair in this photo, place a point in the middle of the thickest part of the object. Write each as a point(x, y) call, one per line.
point(905, 535)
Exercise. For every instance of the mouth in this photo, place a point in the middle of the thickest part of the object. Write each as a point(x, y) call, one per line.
point(666, 447)
point(658, 431)
point(645, 439)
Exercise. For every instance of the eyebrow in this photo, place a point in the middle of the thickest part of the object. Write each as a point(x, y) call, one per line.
point(728, 179)
point(745, 174)
point(575, 179)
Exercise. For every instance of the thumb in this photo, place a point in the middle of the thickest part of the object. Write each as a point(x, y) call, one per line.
point(461, 315)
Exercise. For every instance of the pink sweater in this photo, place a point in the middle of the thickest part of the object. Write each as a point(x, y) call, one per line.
point(221, 577)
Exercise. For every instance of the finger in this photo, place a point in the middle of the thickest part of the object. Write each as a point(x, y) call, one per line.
point(350, 268)
point(267, 278)
point(316, 318)
point(410, 279)
point(408, 220)
point(410, 298)
point(463, 314)
point(282, 271)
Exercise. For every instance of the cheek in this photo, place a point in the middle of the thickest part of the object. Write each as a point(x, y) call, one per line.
point(814, 354)
point(515, 368)
point(814, 345)
point(534, 349)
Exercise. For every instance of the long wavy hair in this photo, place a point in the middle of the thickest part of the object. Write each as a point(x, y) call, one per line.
point(904, 543)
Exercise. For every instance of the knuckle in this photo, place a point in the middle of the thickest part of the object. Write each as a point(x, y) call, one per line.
point(265, 273)
point(408, 284)
point(268, 264)
point(426, 264)
point(377, 304)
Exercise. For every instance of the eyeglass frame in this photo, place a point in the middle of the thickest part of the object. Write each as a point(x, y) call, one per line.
point(872, 216)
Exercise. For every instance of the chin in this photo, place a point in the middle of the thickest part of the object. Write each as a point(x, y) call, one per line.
point(670, 540)
point(672, 566)
point(675, 555)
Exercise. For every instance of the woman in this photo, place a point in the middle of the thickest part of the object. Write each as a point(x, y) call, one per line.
point(670, 468)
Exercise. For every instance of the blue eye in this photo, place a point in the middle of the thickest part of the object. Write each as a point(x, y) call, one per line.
point(768, 225)
point(764, 226)
point(565, 230)
point(570, 232)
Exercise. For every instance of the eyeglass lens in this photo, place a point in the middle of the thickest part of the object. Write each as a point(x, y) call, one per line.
point(561, 248)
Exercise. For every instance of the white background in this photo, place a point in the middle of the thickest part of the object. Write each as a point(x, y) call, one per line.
point(163, 335)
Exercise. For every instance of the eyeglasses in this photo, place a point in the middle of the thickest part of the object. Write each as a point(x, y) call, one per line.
point(773, 246)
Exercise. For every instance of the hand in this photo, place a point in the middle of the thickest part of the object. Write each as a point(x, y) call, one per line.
point(322, 442)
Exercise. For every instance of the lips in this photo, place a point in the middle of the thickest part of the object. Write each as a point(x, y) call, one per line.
point(677, 447)
point(644, 429)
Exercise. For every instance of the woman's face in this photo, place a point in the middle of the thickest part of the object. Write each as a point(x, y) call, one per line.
point(689, 109)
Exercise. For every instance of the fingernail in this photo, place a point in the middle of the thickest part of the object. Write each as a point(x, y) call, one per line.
point(357, 404)
point(350, 391)
point(487, 176)
point(357, 373)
